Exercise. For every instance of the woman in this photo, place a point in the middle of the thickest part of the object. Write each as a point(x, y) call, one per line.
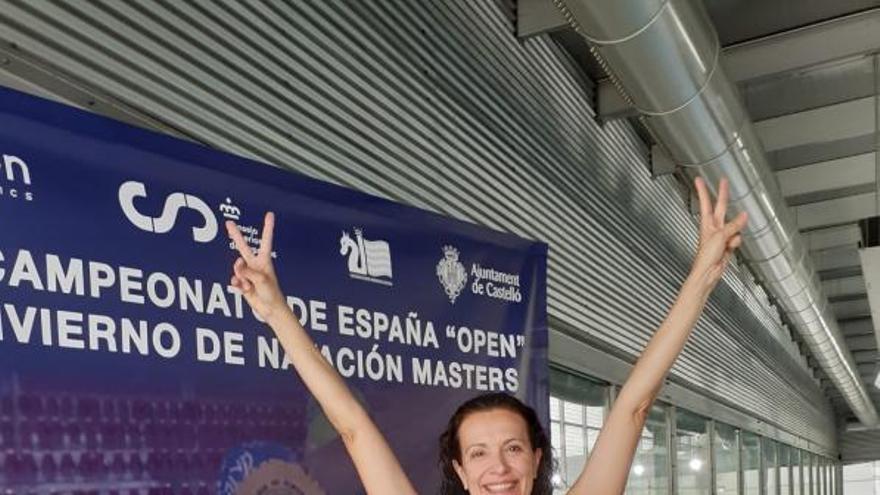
point(494, 444)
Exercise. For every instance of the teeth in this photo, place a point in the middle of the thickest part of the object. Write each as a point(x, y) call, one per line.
point(500, 487)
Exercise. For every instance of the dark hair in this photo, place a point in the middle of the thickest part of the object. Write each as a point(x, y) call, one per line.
point(450, 449)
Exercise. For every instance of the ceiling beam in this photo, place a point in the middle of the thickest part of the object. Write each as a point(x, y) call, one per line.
point(845, 287)
point(815, 44)
point(806, 154)
point(825, 124)
point(856, 327)
point(862, 343)
point(831, 237)
point(851, 309)
point(837, 257)
point(812, 87)
point(850, 271)
point(870, 259)
point(866, 362)
point(827, 180)
point(838, 211)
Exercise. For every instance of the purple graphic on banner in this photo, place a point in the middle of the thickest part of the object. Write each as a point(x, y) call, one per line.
point(128, 365)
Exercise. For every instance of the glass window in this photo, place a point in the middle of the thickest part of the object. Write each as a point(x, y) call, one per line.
point(838, 480)
point(816, 483)
point(860, 479)
point(830, 477)
point(649, 474)
point(726, 449)
point(577, 412)
point(771, 486)
point(835, 478)
point(808, 472)
point(751, 460)
point(827, 476)
point(796, 480)
point(692, 453)
point(832, 474)
point(784, 460)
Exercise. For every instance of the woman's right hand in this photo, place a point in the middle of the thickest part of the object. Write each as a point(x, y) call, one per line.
point(254, 273)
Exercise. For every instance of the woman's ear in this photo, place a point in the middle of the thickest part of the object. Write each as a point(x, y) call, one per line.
point(460, 472)
point(538, 454)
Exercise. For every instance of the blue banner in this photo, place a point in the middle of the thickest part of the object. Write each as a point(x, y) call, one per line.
point(127, 362)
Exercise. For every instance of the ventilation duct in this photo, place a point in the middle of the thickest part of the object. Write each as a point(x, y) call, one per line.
point(663, 56)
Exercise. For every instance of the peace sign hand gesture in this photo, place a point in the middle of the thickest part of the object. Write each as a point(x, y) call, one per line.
point(718, 239)
point(254, 273)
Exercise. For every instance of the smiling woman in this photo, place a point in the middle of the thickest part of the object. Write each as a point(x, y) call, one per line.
point(481, 431)
point(494, 444)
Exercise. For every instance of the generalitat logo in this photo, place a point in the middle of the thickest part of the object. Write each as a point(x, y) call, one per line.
point(251, 233)
point(174, 202)
point(367, 260)
point(15, 179)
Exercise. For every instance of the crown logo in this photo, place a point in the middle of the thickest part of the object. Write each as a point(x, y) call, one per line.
point(451, 273)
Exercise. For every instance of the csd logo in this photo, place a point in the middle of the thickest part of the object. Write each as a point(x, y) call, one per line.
point(162, 224)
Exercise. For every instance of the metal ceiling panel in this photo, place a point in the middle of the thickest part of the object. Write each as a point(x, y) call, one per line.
point(799, 47)
point(870, 258)
point(663, 57)
point(845, 287)
point(845, 210)
point(824, 124)
point(438, 105)
point(841, 235)
point(843, 173)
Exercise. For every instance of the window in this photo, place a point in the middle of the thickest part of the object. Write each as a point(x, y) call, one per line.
point(771, 485)
point(829, 476)
point(807, 463)
point(726, 450)
point(577, 412)
point(649, 474)
point(862, 479)
point(742, 462)
point(692, 453)
point(784, 462)
point(809, 474)
point(751, 458)
point(835, 479)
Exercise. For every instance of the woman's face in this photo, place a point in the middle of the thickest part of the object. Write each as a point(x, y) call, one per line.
point(496, 455)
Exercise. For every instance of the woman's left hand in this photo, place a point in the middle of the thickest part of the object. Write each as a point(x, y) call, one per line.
point(718, 239)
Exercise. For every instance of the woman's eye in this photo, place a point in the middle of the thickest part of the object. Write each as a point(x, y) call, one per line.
point(515, 448)
point(477, 453)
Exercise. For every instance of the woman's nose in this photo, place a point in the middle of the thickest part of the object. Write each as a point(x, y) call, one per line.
point(501, 464)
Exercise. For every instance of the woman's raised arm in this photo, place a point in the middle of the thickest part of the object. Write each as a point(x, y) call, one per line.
point(608, 466)
point(254, 274)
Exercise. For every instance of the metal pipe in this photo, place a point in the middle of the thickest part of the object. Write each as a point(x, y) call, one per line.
point(664, 56)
